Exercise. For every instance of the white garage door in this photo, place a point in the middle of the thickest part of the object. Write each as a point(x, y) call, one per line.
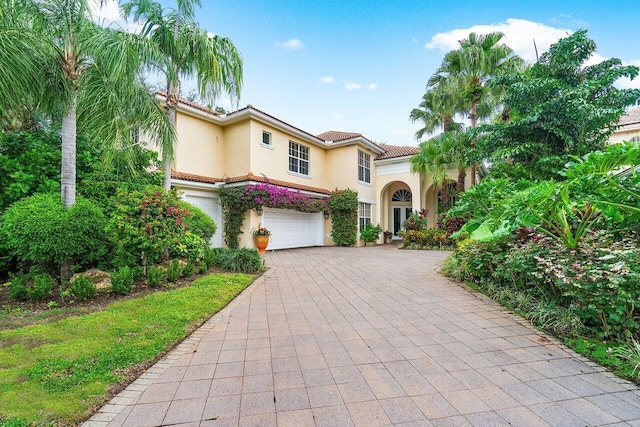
point(210, 204)
point(291, 229)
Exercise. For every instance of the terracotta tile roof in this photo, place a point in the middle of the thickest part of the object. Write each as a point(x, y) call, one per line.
point(251, 177)
point(393, 151)
point(335, 136)
point(632, 116)
point(194, 178)
point(191, 104)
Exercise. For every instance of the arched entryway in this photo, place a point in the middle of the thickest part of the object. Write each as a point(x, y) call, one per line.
point(398, 201)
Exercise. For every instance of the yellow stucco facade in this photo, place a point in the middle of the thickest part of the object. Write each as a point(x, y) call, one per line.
point(251, 146)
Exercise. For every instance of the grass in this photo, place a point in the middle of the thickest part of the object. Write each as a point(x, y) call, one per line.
point(60, 371)
point(605, 354)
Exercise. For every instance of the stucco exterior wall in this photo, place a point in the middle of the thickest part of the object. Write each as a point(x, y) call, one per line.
point(200, 147)
point(236, 149)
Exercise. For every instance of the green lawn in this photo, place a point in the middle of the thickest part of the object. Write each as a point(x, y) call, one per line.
point(61, 370)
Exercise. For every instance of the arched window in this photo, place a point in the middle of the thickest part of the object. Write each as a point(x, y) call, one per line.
point(401, 196)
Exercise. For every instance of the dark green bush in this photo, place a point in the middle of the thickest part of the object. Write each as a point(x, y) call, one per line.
point(18, 288)
point(82, 288)
point(199, 223)
point(370, 233)
point(243, 260)
point(155, 276)
point(173, 271)
point(209, 257)
point(189, 246)
point(343, 205)
point(42, 233)
point(202, 267)
point(42, 287)
point(188, 269)
point(122, 280)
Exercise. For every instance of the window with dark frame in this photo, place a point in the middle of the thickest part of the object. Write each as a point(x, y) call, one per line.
point(298, 158)
point(364, 167)
point(266, 138)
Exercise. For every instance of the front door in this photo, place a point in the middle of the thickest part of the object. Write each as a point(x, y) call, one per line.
point(399, 214)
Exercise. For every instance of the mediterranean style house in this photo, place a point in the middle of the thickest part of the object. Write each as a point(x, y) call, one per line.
point(250, 146)
point(628, 127)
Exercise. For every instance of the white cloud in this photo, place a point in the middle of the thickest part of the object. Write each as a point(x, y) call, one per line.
point(337, 116)
point(107, 13)
point(402, 132)
point(519, 35)
point(352, 86)
point(291, 44)
point(372, 86)
point(327, 79)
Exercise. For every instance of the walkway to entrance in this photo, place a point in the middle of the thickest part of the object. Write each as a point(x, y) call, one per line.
point(367, 337)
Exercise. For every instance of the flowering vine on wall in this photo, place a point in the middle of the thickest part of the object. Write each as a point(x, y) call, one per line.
point(237, 200)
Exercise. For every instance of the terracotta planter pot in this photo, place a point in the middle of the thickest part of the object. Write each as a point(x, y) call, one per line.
point(261, 243)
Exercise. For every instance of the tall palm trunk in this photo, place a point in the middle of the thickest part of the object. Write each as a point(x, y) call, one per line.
point(446, 196)
point(173, 94)
point(474, 122)
point(68, 169)
point(462, 175)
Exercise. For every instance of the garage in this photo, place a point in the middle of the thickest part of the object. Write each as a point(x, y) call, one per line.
point(292, 229)
point(210, 204)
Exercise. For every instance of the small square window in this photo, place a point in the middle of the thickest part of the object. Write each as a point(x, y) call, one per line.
point(266, 138)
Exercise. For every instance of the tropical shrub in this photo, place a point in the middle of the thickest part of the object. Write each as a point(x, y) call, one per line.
point(198, 222)
point(431, 238)
point(188, 270)
point(42, 287)
point(122, 280)
point(190, 246)
point(145, 223)
point(370, 232)
point(202, 267)
point(42, 233)
point(173, 271)
point(416, 221)
point(18, 288)
point(82, 288)
point(343, 205)
point(155, 276)
point(209, 258)
point(243, 260)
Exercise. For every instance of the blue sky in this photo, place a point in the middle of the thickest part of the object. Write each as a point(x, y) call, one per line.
point(361, 66)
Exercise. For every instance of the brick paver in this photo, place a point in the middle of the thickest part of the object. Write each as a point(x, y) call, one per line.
point(367, 337)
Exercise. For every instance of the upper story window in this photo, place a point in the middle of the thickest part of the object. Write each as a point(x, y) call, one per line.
point(635, 139)
point(364, 167)
point(266, 138)
point(298, 158)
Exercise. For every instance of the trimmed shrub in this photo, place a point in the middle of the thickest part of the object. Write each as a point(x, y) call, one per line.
point(18, 289)
point(82, 288)
point(190, 246)
point(173, 271)
point(209, 257)
point(243, 260)
point(42, 287)
point(198, 222)
point(42, 233)
point(202, 267)
point(188, 269)
point(155, 276)
point(122, 280)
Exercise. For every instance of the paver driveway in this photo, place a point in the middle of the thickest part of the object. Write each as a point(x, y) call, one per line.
point(367, 337)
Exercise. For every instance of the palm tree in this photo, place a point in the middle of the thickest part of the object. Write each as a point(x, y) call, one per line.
point(437, 109)
point(188, 50)
point(479, 58)
point(55, 58)
point(433, 161)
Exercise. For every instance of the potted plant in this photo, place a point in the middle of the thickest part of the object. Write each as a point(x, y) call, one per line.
point(370, 233)
point(387, 236)
point(261, 237)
